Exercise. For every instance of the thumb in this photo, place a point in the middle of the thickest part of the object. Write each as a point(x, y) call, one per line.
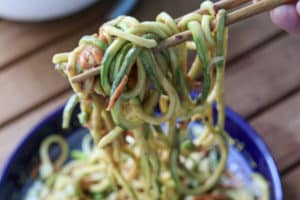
point(287, 17)
point(298, 7)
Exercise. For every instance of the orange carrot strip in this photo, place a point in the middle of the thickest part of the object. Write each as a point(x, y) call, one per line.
point(117, 93)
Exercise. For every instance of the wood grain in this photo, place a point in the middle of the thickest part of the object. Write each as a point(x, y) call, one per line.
point(34, 80)
point(20, 39)
point(249, 34)
point(263, 76)
point(149, 10)
point(280, 127)
point(12, 134)
point(258, 81)
point(291, 185)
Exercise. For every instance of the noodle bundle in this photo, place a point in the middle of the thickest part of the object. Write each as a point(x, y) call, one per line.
point(150, 114)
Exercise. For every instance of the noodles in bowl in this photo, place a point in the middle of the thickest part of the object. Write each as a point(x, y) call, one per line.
point(152, 138)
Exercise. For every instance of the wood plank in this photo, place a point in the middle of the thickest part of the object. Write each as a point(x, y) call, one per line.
point(176, 8)
point(260, 80)
point(12, 134)
point(291, 185)
point(23, 38)
point(263, 76)
point(32, 81)
point(280, 127)
point(250, 33)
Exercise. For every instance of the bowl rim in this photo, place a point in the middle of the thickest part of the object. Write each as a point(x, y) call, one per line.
point(262, 146)
point(235, 117)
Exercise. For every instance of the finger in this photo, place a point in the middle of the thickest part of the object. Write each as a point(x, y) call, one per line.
point(287, 18)
point(298, 8)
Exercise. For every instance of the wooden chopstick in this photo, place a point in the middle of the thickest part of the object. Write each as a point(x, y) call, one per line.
point(233, 17)
point(222, 4)
point(254, 9)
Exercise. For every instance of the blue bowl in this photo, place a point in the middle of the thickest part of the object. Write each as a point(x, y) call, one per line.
point(15, 178)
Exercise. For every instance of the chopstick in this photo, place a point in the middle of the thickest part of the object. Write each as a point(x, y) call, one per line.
point(222, 4)
point(254, 9)
point(233, 17)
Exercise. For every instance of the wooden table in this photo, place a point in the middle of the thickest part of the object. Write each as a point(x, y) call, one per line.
point(262, 78)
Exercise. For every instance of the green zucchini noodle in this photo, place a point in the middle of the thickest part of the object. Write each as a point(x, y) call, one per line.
point(139, 110)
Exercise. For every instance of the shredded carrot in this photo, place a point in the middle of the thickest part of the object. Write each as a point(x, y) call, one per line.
point(90, 57)
point(35, 171)
point(97, 54)
point(102, 36)
point(57, 167)
point(183, 124)
point(86, 183)
point(83, 59)
point(129, 133)
point(117, 93)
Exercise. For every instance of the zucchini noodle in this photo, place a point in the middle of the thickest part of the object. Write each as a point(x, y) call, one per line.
point(140, 109)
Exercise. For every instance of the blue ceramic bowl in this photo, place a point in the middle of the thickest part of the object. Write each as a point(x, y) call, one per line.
point(15, 178)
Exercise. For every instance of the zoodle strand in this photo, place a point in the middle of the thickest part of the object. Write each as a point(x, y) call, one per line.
point(138, 89)
point(150, 114)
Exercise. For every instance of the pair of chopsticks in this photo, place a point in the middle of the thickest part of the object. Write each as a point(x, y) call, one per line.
point(233, 17)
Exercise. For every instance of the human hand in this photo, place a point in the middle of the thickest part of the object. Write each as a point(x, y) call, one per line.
point(287, 17)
